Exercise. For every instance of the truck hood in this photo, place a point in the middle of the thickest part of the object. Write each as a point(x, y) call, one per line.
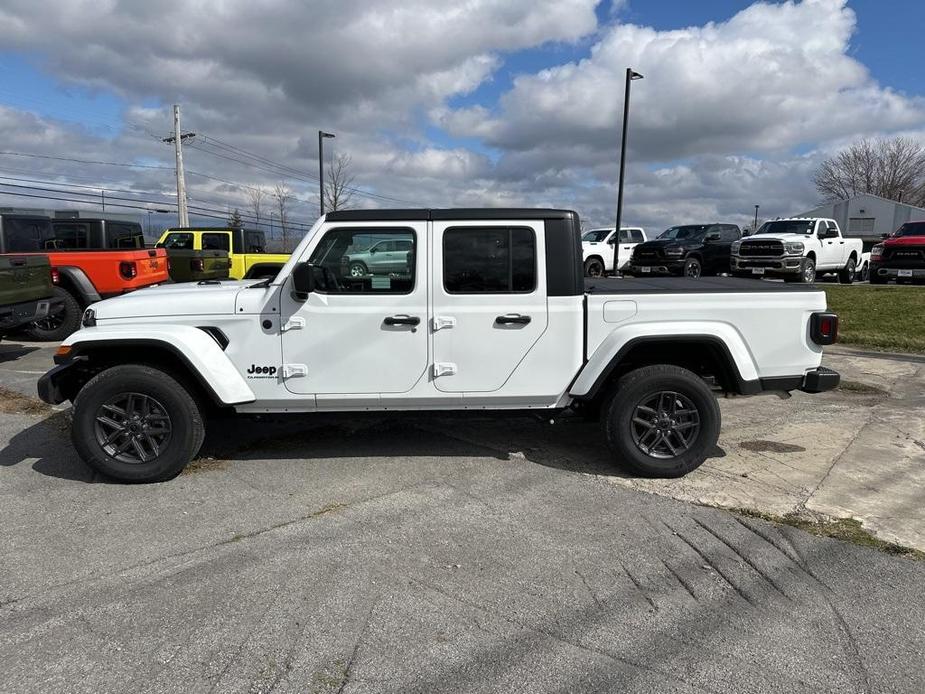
point(904, 241)
point(185, 299)
point(778, 237)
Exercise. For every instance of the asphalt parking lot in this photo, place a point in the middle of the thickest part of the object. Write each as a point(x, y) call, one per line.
point(430, 554)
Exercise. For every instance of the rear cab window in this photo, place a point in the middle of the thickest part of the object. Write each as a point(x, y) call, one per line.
point(124, 235)
point(489, 260)
point(74, 235)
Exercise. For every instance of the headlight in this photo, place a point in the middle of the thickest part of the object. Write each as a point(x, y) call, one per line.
point(876, 253)
point(674, 250)
point(735, 247)
point(794, 247)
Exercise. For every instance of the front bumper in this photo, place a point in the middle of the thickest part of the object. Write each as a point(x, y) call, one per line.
point(16, 315)
point(660, 266)
point(56, 385)
point(897, 273)
point(770, 265)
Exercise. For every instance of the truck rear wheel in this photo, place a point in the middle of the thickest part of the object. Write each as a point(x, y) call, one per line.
point(662, 421)
point(594, 267)
point(136, 424)
point(846, 274)
point(60, 323)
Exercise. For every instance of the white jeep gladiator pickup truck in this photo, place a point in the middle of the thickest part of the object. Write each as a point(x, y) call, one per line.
point(797, 249)
point(489, 311)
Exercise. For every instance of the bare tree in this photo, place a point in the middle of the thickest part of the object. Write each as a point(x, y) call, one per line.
point(283, 196)
point(256, 196)
point(234, 219)
point(338, 186)
point(891, 168)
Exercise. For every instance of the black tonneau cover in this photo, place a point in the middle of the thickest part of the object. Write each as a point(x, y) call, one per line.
point(685, 285)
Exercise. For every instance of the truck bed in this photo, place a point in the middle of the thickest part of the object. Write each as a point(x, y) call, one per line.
point(686, 285)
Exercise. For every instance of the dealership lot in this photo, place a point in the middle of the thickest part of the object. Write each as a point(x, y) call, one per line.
point(428, 553)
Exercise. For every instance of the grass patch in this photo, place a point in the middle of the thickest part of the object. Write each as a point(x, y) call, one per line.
point(886, 318)
point(845, 529)
point(12, 402)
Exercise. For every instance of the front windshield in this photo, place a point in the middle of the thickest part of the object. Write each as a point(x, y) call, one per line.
point(787, 226)
point(596, 235)
point(688, 231)
point(911, 229)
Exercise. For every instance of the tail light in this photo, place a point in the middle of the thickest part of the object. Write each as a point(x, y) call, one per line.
point(128, 269)
point(823, 328)
point(55, 276)
point(197, 265)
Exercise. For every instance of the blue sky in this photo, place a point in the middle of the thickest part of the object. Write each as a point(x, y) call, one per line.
point(887, 41)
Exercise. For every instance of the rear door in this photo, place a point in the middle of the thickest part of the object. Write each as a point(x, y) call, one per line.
point(626, 242)
point(489, 301)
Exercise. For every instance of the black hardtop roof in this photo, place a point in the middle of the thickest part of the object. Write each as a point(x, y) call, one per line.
point(72, 220)
point(15, 215)
point(206, 228)
point(462, 213)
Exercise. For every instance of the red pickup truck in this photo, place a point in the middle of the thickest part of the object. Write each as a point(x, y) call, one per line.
point(82, 276)
point(900, 256)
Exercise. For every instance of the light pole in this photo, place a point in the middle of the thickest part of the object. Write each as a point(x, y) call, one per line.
point(755, 227)
point(321, 135)
point(630, 76)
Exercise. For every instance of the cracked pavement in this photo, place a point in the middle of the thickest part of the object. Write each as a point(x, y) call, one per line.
point(365, 554)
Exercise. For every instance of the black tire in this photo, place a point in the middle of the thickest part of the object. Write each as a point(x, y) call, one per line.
point(864, 274)
point(358, 269)
point(693, 268)
point(622, 428)
point(594, 267)
point(170, 452)
point(846, 274)
point(807, 271)
point(61, 323)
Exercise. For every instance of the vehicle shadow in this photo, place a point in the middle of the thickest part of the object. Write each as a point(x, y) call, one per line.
point(571, 444)
point(11, 351)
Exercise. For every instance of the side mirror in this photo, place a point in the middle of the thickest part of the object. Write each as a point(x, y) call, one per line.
point(373, 250)
point(612, 241)
point(303, 281)
point(884, 236)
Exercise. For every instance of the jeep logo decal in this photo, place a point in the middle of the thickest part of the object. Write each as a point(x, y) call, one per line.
point(263, 370)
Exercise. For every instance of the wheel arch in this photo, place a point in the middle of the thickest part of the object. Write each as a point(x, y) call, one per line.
point(193, 355)
point(75, 280)
point(706, 354)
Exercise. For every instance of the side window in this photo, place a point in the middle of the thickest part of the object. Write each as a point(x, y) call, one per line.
point(179, 242)
point(124, 236)
point(833, 229)
point(357, 260)
point(822, 230)
point(730, 233)
point(624, 236)
point(70, 235)
point(254, 242)
point(489, 260)
point(216, 242)
point(636, 236)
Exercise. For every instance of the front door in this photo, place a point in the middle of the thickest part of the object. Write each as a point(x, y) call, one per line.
point(489, 301)
point(359, 335)
point(831, 251)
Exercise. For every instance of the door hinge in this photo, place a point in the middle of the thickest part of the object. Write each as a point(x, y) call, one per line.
point(294, 323)
point(441, 322)
point(444, 368)
point(290, 370)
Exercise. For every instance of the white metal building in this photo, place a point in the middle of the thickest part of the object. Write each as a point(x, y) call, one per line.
point(867, 216)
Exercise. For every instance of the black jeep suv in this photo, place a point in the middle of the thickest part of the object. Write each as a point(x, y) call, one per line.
point(691, 250)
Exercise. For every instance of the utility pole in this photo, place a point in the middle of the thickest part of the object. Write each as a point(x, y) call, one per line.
point(103, 198)
point(177, 139)
point(755, 227)
point(321, 135)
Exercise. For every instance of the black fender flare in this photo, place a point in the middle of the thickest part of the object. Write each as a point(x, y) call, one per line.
point(85, 291)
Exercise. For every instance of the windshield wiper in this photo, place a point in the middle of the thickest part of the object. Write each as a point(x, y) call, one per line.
point(262, 284)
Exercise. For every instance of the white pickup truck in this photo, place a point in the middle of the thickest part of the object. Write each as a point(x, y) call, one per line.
point(489, 312)
point(797, 250)
point(603, 250)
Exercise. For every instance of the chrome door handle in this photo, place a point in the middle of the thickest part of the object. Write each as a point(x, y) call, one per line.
point(402, 320)
point(512, 319)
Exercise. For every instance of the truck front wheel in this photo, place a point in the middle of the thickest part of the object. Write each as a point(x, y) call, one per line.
point(662, 421)
point(62, 320)
point(594, 267)
point(136, 424)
